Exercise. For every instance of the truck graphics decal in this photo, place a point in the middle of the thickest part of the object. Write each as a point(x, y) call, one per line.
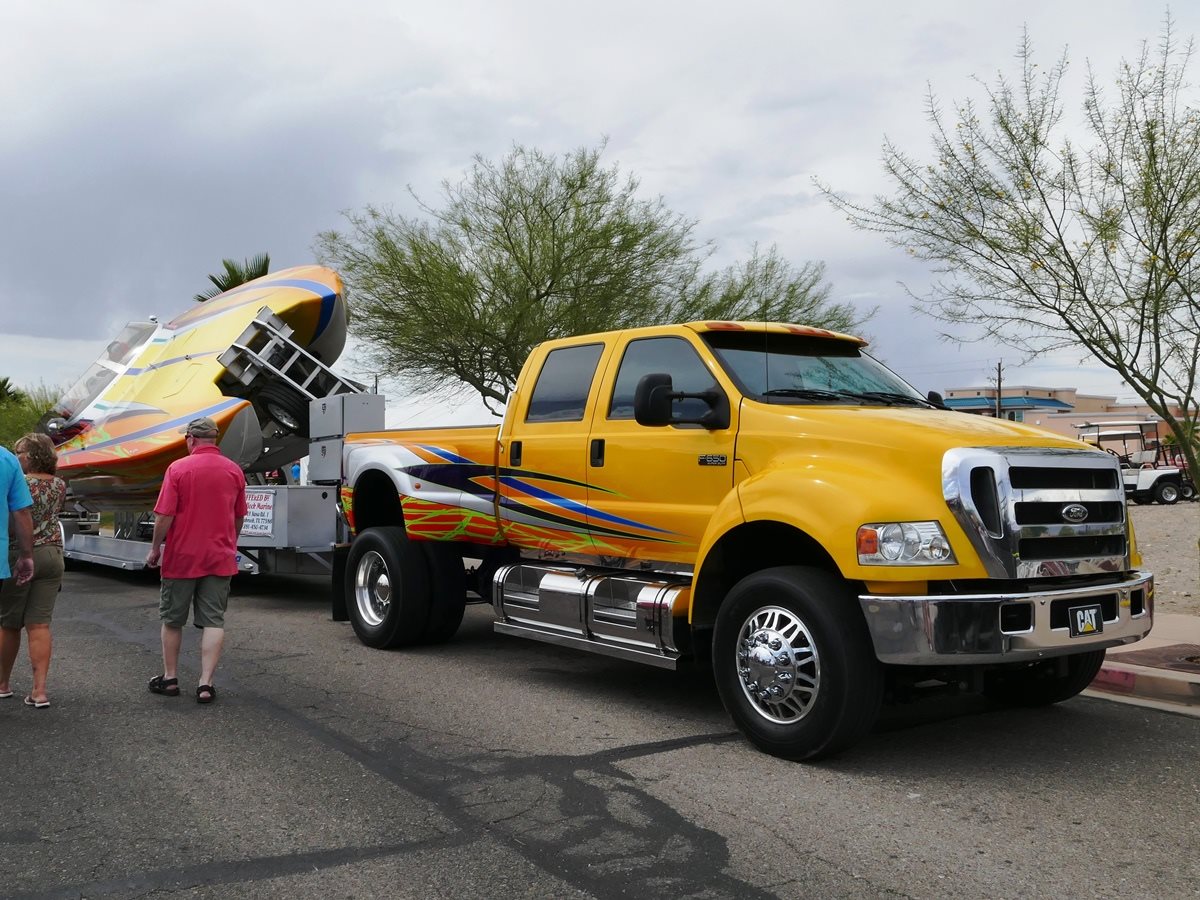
point(432, 521)
point(554, 520)
point(592, 515)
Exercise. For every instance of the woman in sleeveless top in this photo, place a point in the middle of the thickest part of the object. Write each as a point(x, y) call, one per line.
point(31, 605)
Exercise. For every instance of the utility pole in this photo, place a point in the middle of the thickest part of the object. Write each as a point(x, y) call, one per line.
point(999, 387)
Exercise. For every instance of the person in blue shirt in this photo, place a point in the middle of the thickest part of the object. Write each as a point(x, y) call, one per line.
point(16, 493)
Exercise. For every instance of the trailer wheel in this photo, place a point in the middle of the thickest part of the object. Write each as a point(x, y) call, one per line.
point(1045, 682)
point(1188, 491)
point(1166, 492)
point(448, 592)
point(387, 586)
point(794, 664)
point(285, 407)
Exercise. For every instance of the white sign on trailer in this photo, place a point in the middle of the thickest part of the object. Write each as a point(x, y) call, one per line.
point(260, 514)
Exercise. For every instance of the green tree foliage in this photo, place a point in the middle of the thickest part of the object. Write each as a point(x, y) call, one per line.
point(537, 247)
point(235, 274)
point(23, 409)
point(1044, 243)
point(9, 393)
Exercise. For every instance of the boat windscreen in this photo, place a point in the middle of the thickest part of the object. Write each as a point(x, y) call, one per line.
point(81, 394)
point(112, 362)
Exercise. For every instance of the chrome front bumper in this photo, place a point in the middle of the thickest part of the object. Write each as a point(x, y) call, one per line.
point(967, 629)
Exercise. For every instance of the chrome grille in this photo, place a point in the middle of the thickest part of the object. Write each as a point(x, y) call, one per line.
point(1039, 513)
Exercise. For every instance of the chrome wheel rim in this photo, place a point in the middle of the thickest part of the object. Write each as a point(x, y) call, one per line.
point(372, 589)
point(778, 665)
point(1169, 493)
point(282, 416)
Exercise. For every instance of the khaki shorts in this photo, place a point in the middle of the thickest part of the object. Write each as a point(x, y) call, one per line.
point(208, 596)
point(32, 603)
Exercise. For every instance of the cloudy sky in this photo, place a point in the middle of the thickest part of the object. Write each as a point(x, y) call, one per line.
point(144, 141)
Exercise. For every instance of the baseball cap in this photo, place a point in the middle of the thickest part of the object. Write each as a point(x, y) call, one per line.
point(203, 427)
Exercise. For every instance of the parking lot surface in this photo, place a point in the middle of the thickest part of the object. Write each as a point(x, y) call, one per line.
point(496, 767)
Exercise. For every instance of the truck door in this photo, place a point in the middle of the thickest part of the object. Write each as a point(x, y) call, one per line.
point(543, 459)
point(652, 490)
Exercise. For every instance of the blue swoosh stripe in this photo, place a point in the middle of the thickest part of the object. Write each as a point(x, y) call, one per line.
point(447, 455)
point(324, 291)
point(577, 507)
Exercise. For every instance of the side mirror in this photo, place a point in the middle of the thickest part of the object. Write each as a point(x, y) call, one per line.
point(936, 399)
point(653, 399)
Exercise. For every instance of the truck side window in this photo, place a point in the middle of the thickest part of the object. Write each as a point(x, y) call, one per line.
point(672, 355)
point(562, 388)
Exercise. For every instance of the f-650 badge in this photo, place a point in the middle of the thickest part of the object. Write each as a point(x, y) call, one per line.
point(713, 459)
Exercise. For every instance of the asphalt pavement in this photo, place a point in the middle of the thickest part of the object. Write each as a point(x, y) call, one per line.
point(495, 767)
point(1161, 671)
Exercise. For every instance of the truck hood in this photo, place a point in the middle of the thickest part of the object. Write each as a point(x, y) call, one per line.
point(766, 431)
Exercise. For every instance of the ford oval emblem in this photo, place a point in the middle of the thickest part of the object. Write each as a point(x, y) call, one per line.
point(1074, 512)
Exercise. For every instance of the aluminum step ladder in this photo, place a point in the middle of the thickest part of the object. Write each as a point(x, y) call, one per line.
point(265, 348)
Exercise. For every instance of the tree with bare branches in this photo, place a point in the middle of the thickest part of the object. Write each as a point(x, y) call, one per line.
point(1045, 243)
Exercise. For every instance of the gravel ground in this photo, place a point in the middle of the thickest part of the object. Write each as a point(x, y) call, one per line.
point(1167, 537)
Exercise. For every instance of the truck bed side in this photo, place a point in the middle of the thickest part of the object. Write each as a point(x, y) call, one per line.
point(440, 482)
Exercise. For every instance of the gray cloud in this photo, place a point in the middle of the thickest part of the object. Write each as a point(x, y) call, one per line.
point(144, 142)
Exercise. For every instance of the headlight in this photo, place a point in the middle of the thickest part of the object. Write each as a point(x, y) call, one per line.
point(904, 544)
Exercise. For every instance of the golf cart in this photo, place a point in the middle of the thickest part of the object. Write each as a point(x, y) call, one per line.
point(1148, 477)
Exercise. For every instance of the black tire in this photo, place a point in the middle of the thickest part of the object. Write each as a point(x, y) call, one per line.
point(1166, 492)
point(287, 409)
point(387, 588)
point(1045, 682)
point(1188, 491)
point(448, 592)
point(813, 612)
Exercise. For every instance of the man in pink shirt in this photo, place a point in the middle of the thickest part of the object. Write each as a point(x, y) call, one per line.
point(197, 520)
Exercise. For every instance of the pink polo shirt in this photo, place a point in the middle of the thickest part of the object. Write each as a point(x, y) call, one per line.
point(205, 492)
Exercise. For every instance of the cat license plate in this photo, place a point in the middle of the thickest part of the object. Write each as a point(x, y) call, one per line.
point(1085, 620)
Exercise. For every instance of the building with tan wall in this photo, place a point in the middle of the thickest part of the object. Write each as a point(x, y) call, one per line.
point(1055, 409)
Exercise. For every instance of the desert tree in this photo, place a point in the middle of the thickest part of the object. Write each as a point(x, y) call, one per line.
point(536, 247)
point(1048, 234)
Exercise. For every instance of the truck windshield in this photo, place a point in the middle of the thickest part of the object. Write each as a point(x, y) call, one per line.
point(792, 368)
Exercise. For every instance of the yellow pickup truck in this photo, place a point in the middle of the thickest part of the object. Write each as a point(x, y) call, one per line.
point(765, 498)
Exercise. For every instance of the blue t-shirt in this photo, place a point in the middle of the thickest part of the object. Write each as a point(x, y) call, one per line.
point(12, 482)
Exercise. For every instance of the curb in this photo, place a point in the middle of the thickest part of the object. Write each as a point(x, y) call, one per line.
point(1141, 686)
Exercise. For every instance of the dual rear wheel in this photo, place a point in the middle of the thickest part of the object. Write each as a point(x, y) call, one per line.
point(401, 592)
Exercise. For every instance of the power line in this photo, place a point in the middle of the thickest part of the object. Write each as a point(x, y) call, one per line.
point(982, 365)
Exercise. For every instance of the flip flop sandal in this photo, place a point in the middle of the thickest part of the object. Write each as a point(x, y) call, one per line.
point(4, 695)
point(160, 684)
point(37, 704)
point(203, 690)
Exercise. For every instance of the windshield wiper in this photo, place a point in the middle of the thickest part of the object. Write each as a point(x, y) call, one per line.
point(809, 394)
point(895, 398)
point(889, 398)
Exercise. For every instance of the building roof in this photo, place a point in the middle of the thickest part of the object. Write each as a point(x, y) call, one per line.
point(1006, 403)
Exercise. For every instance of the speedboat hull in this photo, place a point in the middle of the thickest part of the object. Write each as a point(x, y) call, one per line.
point(119, 427)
